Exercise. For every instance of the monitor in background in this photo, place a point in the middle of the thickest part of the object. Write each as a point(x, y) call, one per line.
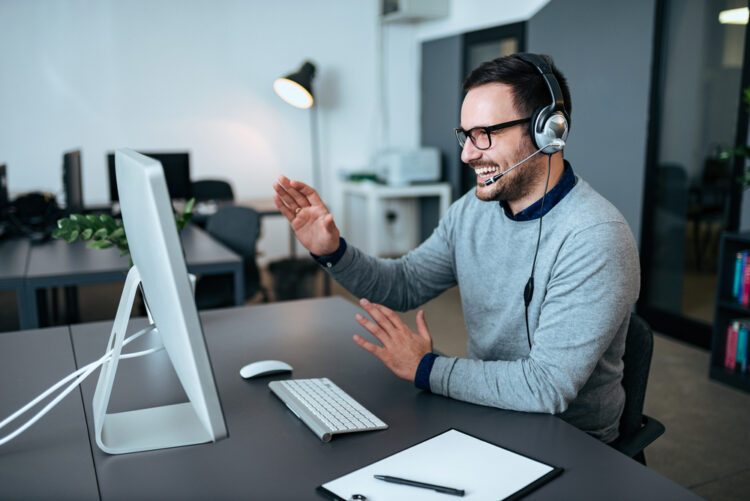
point(73, 182)
point(176, 170)
point(3, 188)
point(159, 266)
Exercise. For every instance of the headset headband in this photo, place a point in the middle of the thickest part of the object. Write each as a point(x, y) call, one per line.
point(558, 103)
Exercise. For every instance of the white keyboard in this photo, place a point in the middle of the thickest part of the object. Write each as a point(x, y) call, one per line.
point(324, 407)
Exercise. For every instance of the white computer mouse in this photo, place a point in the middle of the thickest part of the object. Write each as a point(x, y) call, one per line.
point(264, 368)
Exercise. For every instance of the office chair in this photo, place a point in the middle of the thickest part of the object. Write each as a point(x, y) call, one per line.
point(238, 228)
point(636, 429)
point(709, 207)
point(212, 189)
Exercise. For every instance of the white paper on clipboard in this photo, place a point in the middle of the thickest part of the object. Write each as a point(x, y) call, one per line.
point(452, 459)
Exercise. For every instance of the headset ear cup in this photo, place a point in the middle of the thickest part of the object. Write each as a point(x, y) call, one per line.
point(533, 125)
point(554, 127)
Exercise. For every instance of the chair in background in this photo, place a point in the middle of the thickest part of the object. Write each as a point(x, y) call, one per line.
point(238, 228)
point(708, 208)
point(212, 189)
point(636, 429)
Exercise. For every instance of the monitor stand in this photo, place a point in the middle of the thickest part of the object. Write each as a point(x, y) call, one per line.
point(143, 429)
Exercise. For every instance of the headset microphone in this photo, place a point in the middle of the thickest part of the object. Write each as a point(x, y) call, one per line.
point(552, 147)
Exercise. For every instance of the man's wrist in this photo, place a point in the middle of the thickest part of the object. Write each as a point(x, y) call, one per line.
point(331, 259)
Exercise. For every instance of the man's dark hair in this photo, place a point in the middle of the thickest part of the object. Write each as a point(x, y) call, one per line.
point(529, 88)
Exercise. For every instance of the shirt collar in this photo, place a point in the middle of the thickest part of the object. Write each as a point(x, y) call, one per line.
point(557, 193)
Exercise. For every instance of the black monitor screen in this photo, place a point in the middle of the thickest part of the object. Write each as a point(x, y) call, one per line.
point(3, 187)
point(176, 171)
point(72, 182)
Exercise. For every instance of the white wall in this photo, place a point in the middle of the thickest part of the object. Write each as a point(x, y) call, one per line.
point(185, 74)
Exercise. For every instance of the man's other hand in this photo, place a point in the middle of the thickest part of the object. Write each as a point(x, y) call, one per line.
point(402, 349)
point(312, 223)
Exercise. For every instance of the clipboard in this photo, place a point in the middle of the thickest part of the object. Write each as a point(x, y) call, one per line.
point(485, 471)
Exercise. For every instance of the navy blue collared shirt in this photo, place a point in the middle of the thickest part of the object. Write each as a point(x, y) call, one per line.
point(533, 211)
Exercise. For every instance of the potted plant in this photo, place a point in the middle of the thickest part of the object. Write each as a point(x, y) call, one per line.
point(104, 231)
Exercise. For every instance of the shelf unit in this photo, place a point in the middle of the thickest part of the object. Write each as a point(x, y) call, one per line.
point(727, 309)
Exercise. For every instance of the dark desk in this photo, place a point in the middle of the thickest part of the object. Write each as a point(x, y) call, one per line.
point(14, 256)
point(57, 263)
point(52, 459)
point(270, 454)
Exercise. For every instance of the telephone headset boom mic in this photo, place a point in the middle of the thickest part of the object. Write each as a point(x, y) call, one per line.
point(548, 130)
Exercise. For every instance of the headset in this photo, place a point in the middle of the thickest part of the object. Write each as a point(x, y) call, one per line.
point(548, 123)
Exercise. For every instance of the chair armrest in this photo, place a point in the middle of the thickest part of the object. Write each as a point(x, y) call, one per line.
point(650, 431)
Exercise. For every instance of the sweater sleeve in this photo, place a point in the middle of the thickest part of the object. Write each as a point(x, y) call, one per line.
point(593, 285)
point(407, 282)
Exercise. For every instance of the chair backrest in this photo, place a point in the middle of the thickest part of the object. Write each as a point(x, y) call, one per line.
point(639, 346)
point(212, 189)
point(238, 228)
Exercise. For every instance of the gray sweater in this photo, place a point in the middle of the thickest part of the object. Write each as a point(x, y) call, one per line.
point(586, 282)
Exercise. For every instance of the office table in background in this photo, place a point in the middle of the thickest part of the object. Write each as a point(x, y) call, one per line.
point(57, 263)
point(269, 453)
point(14, 257)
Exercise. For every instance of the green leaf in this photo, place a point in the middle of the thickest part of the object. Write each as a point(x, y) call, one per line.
point(63, 223)
point(189, 206)
point(124, 252)
point(108, 222)
point(86, 234)
point(59, 233)
point(99, 244)
point(100, 234)
point(93, 220)
point(72, 236)
point(79, 219)
point(117, 234)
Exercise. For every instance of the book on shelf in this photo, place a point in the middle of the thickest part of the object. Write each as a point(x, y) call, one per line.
point(737, 282)
point(741, 279)
point(736, 345)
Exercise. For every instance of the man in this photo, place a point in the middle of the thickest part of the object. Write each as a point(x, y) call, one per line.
point(562, 352)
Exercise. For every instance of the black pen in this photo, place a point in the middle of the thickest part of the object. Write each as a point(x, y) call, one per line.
point(414, 483)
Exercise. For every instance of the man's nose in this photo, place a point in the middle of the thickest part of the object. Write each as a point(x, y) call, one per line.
point(470, 152)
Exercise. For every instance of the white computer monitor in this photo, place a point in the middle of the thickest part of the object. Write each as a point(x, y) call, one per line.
point(159, 266)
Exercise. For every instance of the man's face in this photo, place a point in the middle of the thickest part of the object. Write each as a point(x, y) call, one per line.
point(488, 105)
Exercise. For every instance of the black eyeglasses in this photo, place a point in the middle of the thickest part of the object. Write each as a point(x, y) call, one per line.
point(481, 137)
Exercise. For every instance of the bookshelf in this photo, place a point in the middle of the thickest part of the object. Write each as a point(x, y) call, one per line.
point(727, 309)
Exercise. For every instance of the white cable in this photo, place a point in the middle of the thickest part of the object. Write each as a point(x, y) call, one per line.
point(81, 375)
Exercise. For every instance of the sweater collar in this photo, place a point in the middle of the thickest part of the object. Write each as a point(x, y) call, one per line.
point(557, 193)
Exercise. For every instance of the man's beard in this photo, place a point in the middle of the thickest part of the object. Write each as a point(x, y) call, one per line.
point(513, 185)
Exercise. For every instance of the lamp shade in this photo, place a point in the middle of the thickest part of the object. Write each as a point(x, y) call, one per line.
point(296, 88)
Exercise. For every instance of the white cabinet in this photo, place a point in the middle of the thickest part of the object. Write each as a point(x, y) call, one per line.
point(384, 220)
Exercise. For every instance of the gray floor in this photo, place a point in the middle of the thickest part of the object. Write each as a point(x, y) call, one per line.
point(706, 444)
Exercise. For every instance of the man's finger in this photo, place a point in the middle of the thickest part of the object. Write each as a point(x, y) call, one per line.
point(328, 223)
point(371, 347)
point(285, 196)
point(391, 316)
point(422, 326)
point(373, 328)
point(377, 314)
point(309, 192)
point(288, 213)
point(298, 197)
